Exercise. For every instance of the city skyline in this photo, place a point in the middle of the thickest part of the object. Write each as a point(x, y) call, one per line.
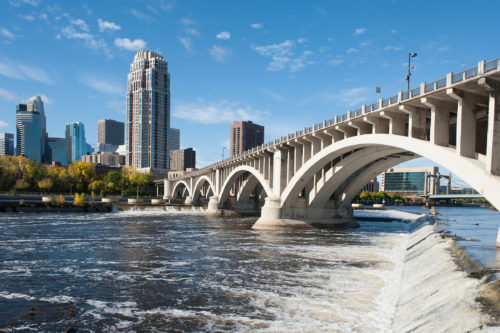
point(313, 66)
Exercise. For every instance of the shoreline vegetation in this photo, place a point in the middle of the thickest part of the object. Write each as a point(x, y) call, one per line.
point(20, 175)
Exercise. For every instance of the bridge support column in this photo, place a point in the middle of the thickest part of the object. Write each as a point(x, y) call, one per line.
point(167, 189)
point(188, 200)
point(213, 206)
point(273, 217)
point(493, 134)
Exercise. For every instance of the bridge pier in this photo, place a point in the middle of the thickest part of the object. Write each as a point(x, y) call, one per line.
point(273, 217)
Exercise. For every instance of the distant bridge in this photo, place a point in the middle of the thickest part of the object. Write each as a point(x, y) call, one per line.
point(310, 177)
point(456, 196)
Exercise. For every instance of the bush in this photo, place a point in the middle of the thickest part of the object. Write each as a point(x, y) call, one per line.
point(60, 200)
point(79, 199)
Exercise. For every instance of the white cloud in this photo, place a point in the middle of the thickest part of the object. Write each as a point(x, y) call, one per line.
point(105, 25)
point(17, 3)
point(352, 50)
point(215, 113)
point(142, 16)
point(6, 95)
point(7, 34)
point(283, 58)
point(192, 32)
point(44, 17)
point(393, 48)
point(187, 43)
point(19, 71)
point(27, 17)
point(219, 53)
point(70, 33)
point(256, 26)
point(360, 31)
point(101, 85)
point(223, 35)
point(187, 21)
point(345, 97)
point(301, 40)
point(45, 99)
point(335, 62)
point(80, 23)
point(272, 94)
point(365, 43)
point(131, 45)
point(3, 124)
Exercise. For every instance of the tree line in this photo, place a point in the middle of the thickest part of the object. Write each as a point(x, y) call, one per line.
point(18, 174)
point(380, 197)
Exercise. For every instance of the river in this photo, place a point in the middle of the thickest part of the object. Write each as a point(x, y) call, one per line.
point(182, 271)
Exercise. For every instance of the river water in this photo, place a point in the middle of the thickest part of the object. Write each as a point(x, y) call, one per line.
point(176, 271)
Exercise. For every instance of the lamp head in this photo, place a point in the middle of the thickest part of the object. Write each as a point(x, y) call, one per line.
point(413, 55)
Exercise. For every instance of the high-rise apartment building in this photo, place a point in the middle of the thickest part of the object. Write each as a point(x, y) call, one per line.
point(110, 132)
point(31, 130)
point(75, 136)
point(6, 144)
point(244, 136)
point(58, 150)
point(148, 111)
point(182, 159)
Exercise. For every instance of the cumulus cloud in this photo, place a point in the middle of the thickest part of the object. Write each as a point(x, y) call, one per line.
point(283, 57)
point(352, 50)
point(187, 43)
point(6, 95)
point(393, 48)
point(81, 24)
point(7, 34)
point(27, 17)
point(17, 3)
point(360, 31)
point(101, 85)
point(335, 62)
point(219, 53)
point(223, 35)
point(19, 71)
point(218, 112)
point(131, 45)
point(45, 99)
point(142, 16)
point(192, 32)
point(256, 26)
point(3, 124)
point(105, 25)
point(187, 21)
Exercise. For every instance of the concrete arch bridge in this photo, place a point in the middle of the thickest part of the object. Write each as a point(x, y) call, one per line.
point(311, 176)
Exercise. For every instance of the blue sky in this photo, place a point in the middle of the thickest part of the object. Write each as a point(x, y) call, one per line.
point(282, 64)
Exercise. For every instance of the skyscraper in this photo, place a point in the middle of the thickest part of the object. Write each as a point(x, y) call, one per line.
point(182, 159)
point(75, 136)
point(110, 132)
point(31, 130)
point(174, 139)
point(245, 135)
point(148, 111)
point(58, 150)
point(6, 144)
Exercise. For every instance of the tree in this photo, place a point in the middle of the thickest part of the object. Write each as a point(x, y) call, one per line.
point(46, 184)
point(21, 184)
point(82, 173)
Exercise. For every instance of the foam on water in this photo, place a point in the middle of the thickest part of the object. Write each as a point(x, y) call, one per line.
point(155, 269)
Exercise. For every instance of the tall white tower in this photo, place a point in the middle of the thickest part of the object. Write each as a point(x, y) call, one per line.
point(148, 111)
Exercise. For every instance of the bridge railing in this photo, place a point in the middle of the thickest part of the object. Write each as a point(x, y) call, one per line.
point(405, 95)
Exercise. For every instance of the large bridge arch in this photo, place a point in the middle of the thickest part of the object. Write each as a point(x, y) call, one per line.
point(472, 171)
point(228, 183)
point(198, 186)
point(180, 185)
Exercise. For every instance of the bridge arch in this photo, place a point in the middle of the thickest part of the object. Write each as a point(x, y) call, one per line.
point(472, 171)
point(229, 182)
point(179, 189)
point(198, 186)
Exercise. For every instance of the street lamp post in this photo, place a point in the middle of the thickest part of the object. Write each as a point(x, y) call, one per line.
point(410, 55)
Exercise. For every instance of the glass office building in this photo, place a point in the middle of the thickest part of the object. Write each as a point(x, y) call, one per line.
point(58, 150)
point(6, 144)
point(411, 181)
point(75, 136)
point(31, 130)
